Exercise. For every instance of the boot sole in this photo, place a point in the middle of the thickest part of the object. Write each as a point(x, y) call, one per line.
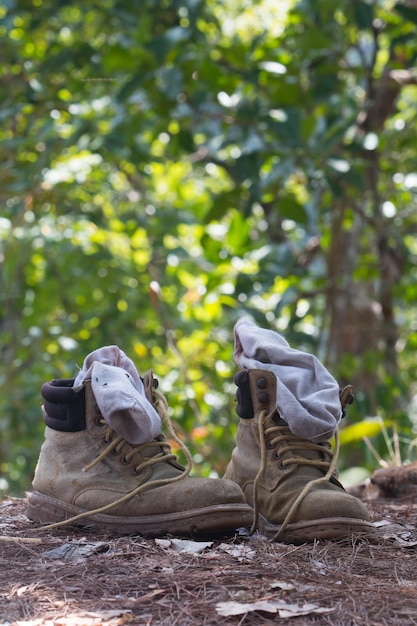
point(325, 528)
point(220, 519)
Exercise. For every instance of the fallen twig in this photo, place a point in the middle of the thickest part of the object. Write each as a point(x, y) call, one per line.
point(20, 539)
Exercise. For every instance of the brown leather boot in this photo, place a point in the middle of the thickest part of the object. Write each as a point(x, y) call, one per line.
point(87, 475)
point(290, 482)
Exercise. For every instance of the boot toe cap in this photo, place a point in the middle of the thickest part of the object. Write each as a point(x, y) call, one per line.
point(327, 503)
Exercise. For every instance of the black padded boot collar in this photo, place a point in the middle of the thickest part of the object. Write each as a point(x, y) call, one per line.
point(64, 408)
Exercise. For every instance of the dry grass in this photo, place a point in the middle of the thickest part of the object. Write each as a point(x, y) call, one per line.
point(94, 578)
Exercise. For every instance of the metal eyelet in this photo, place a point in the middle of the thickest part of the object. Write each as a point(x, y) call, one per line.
point(124, 460)
point(263, 397)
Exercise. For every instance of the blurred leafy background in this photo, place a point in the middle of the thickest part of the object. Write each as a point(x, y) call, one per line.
point(169, 166)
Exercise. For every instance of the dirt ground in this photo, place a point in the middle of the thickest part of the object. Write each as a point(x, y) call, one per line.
point(76, 578)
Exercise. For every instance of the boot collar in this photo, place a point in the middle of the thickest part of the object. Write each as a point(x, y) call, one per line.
point(64, 408)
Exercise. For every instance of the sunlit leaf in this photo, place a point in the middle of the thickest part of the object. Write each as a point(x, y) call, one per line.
point(366, 428)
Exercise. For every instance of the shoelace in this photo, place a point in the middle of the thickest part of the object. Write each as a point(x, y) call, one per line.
point(161, 406)
point(293, 443)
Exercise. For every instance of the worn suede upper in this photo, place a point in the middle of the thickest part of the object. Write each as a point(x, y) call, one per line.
point(61, 473)
point(285, 474)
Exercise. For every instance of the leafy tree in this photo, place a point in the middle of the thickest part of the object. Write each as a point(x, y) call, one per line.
point(171, 166)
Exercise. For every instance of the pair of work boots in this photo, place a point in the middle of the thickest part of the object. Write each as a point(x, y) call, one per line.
point(276, 482)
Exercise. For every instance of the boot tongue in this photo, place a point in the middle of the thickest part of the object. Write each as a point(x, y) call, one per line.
point(303, 451)
point(166, 466)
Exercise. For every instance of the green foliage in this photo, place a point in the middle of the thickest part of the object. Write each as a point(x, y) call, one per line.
point(171, 166)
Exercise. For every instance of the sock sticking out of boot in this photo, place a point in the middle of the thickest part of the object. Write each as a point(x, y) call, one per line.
point(290, 479)
point(120, 394)
point(89, 474)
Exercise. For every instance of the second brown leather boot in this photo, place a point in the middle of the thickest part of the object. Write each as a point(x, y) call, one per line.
point(289, 481)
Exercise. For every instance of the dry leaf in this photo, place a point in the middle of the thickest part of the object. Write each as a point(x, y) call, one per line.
point(190, 547)
point(241, 551)
point(269, 606)
point(238, 608)
point(76, 552)
point(293, 610)
point(184, 545)
point(100, 618)
point(403, 543)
